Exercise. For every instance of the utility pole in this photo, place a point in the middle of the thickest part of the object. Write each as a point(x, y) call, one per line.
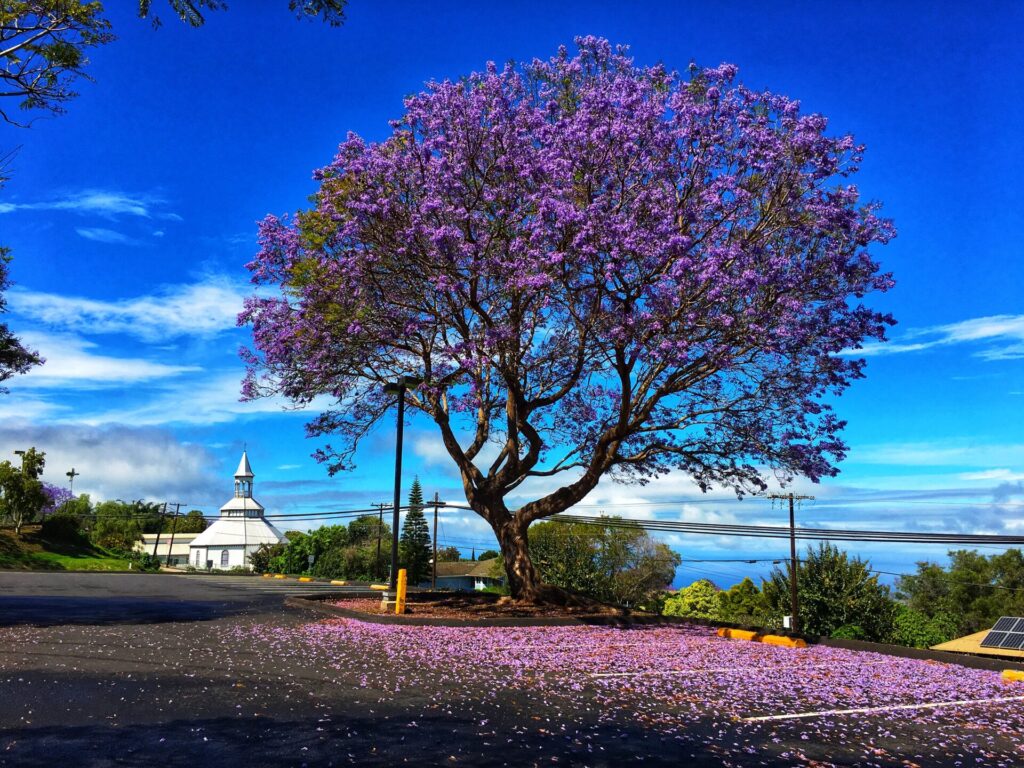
point(380, 533)
point(433, 541)
point(158, 528)
point(794, 606)
point(71, 480)
point(174, 528)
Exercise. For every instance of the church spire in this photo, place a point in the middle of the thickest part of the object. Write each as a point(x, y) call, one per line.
point(243, 478)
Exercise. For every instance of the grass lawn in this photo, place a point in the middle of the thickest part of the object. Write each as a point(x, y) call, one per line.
point(31, 553)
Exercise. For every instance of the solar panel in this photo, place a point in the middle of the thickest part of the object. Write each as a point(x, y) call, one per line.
point(1006, 633)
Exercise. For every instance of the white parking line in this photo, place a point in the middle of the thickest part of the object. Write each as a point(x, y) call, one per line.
point(728, 669)
point(870, 710)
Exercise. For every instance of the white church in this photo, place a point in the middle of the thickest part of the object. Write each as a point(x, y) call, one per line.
point(239, 531)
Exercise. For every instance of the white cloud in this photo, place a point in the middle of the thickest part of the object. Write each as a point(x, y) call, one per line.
point(108, 236)
point(122, 462)
point(106, 203)
point(1003, 333)
point(949, 452)
point(212, 399)
point(996, 475)
point(204, 308)
point(71, 363)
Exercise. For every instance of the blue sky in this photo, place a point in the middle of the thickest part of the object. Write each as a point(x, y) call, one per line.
point(132, 216)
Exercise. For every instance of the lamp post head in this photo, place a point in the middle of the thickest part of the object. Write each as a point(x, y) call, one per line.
point(402, 383)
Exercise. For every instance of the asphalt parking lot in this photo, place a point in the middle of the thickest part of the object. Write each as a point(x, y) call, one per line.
point(222, 673)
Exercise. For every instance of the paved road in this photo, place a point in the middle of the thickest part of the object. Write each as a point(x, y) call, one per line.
point(102, 670)
point(42, 599)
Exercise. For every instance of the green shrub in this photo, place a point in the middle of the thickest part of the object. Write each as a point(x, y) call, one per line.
point(62, 528)
point(849, 632)
point(914, 628)
point(143, 561)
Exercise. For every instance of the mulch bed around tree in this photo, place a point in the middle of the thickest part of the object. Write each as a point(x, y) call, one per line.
point(467, 605)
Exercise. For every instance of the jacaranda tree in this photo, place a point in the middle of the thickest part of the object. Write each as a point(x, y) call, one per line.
point(596, 268)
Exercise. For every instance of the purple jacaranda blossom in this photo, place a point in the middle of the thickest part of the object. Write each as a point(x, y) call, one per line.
point(599, 268)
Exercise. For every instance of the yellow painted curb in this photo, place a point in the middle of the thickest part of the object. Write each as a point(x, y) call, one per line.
point(737, 634)
point(337, 581)
point(746, 634)
point(305, 578)
point(784, 642)
point(280, 576)
point(268, 575)
point(380, 587)
point(1013, 676)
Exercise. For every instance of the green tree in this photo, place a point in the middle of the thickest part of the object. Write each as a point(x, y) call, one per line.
point(448, 555)
point(607, 562)
point(21, 491)
point(415, 539)
point(193, 522)
point(742, 603)
point(489, 554)
point(834, 591)
point(700, 600)
point(116, 525)
point(974, 591)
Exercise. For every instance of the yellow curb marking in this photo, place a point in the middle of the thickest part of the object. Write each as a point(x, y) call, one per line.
point(757, 637)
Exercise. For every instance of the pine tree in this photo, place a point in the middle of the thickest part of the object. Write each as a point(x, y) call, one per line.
point(415, 537)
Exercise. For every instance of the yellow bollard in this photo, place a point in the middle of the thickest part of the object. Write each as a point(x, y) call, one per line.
point(400, 594)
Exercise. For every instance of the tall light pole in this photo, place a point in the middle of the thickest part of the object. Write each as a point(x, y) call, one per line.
point(398, 388)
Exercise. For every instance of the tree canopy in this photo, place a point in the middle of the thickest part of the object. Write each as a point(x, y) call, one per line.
point(596, 268)
point(22, 494)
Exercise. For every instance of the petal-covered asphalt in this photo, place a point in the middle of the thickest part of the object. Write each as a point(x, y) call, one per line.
point(273, 686)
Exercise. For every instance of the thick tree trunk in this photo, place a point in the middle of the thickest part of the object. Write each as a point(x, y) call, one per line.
point(523, 579)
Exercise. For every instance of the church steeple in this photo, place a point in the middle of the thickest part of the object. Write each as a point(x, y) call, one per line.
point(243, 478)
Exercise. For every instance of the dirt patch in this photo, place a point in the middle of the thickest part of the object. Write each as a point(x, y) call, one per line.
point(477, 606)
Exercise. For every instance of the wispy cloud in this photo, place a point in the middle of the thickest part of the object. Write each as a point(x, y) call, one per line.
point(210, 399)
point(72, 363)
point(204, 308)
point(109, 236)
point(1002, 337)
point(952, 452)
point(101, 202)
